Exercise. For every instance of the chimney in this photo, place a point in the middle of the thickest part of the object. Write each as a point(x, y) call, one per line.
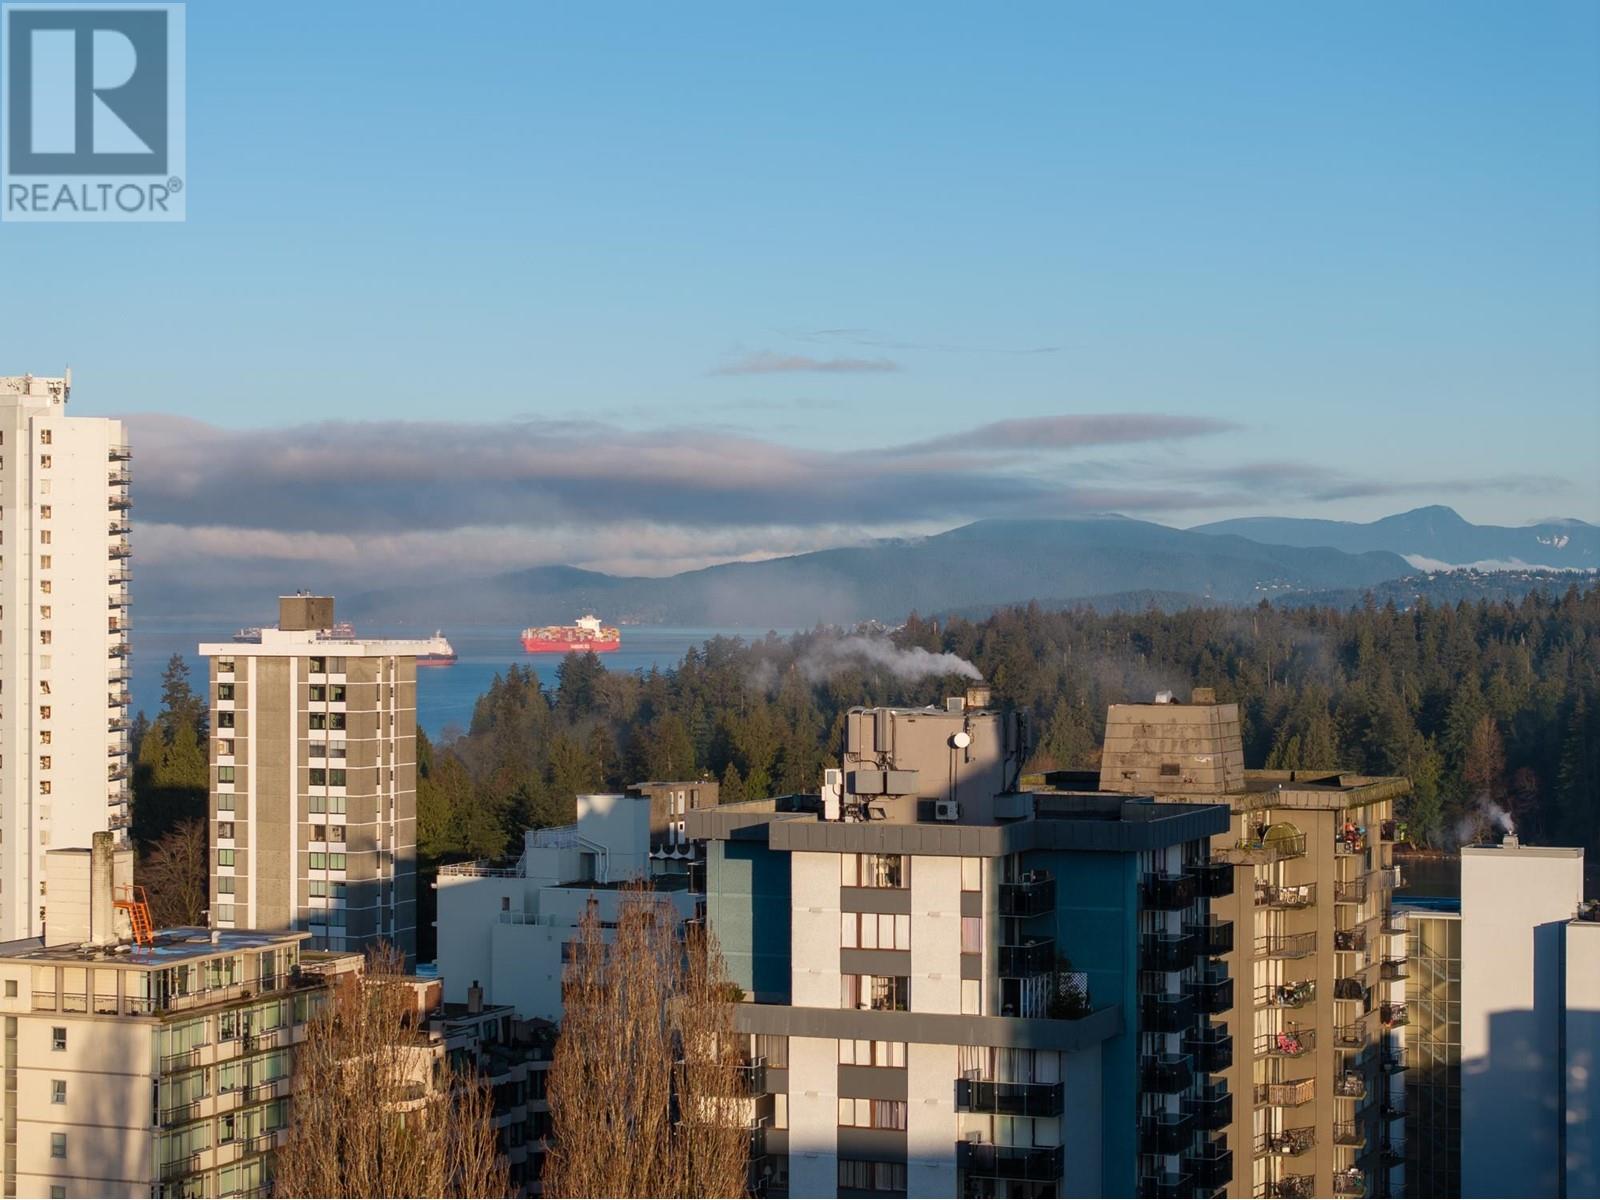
point(474, 998)
point(979, 695)
point(1203, 696)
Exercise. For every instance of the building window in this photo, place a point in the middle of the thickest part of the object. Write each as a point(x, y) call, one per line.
point(875, 931)
point(336, 776)
point(972, 874)
point(225, 666)
point(319, 693)
point(319, 777)
point(58, 1037)
point(44, 460)
point(225, 746)
point(44, 762)
point(58, 1145)
point(871, 1054)
point(224, 912)
point(318, 666)
point(336, 862)
point(44, 637)
point(44, 437)
point(971, 998)
point(44, 787)
point(972, 935)
point(225, 858)
point(884, 993)
point(225, 885)
point(11, 989)
point(58, 1091)
point(860, 1113)
point(224, 691)
point(57, 1192)
point(225, 829)
point(861, 1175)
point(44, 712)
point(336, 693)
point(1170, 770)
point(44, 512)
point(224, 720)
point(875, 870)
point(224, 774)
point(44, 537)
point(225, 802)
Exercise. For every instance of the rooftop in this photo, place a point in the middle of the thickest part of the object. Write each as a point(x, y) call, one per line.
point(172, 946)
point(1509, 849)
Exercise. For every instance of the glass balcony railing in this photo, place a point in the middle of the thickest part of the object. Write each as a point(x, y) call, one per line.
point(1166, 1012)
point(1215, 879)
point(1029, 1164)
point(1212, 990)
point(1215, 936)
point(1167, 1074)
point(1168, 951)
point(1213, 1109)
point(1169, 892)
point(1031, 896)
point(1168, 1185)
point(1212, 1048)
point(1034, 957)
point(1211, 1166)
point(1166, 1133)
point(1008, 1099)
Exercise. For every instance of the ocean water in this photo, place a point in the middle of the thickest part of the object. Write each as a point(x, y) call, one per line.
point(445, 695)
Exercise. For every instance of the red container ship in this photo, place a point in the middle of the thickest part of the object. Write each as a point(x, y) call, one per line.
point(585, 634)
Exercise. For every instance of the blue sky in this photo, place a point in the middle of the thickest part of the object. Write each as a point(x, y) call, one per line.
point(1358, 242)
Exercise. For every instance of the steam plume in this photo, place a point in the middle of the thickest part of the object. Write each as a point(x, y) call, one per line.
point(828, 658)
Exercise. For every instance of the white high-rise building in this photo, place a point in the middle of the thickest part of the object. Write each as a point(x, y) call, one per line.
point(64, 761)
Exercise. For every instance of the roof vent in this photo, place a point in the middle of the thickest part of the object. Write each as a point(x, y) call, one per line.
point(1163, 697)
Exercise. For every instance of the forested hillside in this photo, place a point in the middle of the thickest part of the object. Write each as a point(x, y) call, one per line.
point(1476, 703)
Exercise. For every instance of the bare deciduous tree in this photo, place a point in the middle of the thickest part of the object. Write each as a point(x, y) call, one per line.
point(377, 1110)
point(175, 873)
point(648, 1092)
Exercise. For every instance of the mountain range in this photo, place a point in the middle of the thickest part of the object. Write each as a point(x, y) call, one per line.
point(987, 563)
point(1434, 537)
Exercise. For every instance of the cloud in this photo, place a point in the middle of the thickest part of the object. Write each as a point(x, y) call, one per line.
point(1067, 432)
point(866, 337)
point(1314, 481)
point(769, 362)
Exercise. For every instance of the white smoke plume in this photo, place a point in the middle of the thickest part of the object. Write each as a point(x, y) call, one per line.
point(1483, 821)
point(829, 657)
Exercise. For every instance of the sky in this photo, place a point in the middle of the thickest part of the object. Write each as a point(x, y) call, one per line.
point(640, 287)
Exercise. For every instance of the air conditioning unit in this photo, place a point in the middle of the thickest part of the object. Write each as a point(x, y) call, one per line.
point(946, 810)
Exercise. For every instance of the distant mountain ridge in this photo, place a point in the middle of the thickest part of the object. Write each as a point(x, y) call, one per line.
point(990, 562)
point(1431, 537)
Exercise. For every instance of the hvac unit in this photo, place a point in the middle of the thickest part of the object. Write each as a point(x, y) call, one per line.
point(946, 810)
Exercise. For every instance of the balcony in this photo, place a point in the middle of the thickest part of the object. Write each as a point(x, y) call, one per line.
point(1289, 1187)
point(1350, 941)
point(1275, 847)
point(1166, 1133)
point(1346, 844)
point(1286, 1095)
point(1037, 956)
point(1214, 1109)
point(178, 1168)
point(1169, 1012)
point(1166, 1074)
point(1212, 990)
point(1212, 1167)
point(1352, 1036)
point(1297, 895)
point(180, 1114)
point(1394, 1059)
point(1392, 1016)
point(1008, 1099)
point(1288, 1143)
point(1348, 1133)
point(1215, 936)
point(1215, 879)
point(1031, 896)
point(119, 550)
point(1286, 945)
point(1351, 891)
point(118, 502)
point(1036, 1164)
point(1349, 989)
point(120, 454)
point(1388, 829)
point(1168, 951)
point(1286, 1043)
point(1392, 968)
point(1350, 1182)
point(1350, 1085)
point(1169, 892)
point(1212, 1048)
point(1286, 995)
point(118, 528)
point(1168, 1185)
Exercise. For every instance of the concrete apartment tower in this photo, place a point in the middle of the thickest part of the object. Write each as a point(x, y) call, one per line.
point(313, 782)
point(63, 637)
point(960, 988)
point(1517, 903)
point(1319, 1011)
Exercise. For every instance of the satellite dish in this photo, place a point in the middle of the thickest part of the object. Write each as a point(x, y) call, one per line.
point(961, 739)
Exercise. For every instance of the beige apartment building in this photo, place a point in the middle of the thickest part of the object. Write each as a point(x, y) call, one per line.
point(151, 1067)
point(313, 781)
point(1319, 1006)
point(63, 636)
